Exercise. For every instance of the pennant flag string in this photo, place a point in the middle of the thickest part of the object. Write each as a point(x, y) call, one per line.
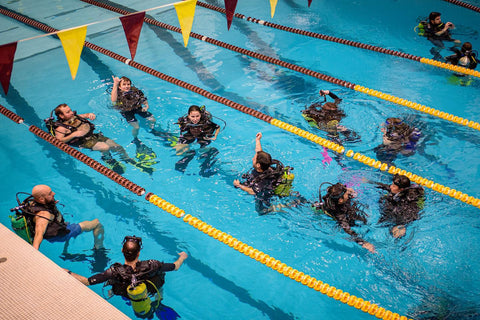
point(98, 22)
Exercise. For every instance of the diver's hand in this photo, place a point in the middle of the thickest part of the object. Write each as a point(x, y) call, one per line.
point(370, 247)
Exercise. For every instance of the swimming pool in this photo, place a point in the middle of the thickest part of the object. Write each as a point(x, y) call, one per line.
point(434, 267)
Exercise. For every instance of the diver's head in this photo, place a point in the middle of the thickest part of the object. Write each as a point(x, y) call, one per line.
point(338, 193)
point(125, 84)
point(399, 183)
point(194, 114)
point(395, 129)
point(43, 194)
point(64, 112)
point(131, 248)
point(262, 161)
point(467, 46)
point(435, 18)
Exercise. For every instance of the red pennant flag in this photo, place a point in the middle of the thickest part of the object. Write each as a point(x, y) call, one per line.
point(230, 6)
point(132, 25)
point(7, 53)
point(309, 3)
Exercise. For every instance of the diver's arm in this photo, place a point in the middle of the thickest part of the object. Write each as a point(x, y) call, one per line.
point(145, 106)
point(215, 134)
point(334, 97)
point(181, 258)
point(237, 184)
point(258, 144)
point(61, 134)
point(447, 26)
point(346, 227)
point(80, 278)
point(41, 224)
point(114, 94)
point(89, 115)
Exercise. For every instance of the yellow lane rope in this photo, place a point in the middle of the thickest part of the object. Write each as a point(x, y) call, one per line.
point(419, 107)
point(282, 268)
point(378, 164)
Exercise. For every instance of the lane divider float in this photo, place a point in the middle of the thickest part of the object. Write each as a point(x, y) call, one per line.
point(274, 264)
point(356, 44)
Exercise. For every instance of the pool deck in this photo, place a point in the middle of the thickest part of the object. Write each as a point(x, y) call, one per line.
point(34, 287)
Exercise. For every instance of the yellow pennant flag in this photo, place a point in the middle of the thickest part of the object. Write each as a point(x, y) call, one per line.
point(273, 4)
point(72, 42)
point(185, 12)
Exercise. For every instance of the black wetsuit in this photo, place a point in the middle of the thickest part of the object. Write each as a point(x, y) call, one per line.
point(55, 227)
point(189, 132)
point(346, 215)
point(403, 207)
point(263, 184)
point(120, 276)
point(455, 58)
point(130, 103)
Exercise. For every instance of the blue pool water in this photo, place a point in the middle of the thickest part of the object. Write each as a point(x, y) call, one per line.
point(434, 270)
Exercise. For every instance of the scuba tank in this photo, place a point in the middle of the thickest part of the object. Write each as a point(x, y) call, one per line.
point(20, 224)
point(420, 29)
point(141, 302)
point(286, 181)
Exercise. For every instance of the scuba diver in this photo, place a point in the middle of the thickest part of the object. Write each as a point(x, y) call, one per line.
point(338, 203)
point(135, 280)
point(267, 179)
point(37, 217)
point(130, 101)
point(401, 205)
point(78, 131)
point(398, 137)
point(198, 126)
point(326, 116)
point(465, 57)
point(436, 32)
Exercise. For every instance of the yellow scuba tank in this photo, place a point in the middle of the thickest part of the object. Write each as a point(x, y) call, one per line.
point(138, 295)
point(420, 28)
point(283, 189)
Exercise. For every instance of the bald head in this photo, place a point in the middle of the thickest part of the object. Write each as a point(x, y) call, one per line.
point(43, 194)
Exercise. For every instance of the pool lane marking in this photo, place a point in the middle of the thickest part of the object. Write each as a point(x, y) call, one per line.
point(356, 44)
point(464, 4)
point(291, 66)
point(282, 268)
point(283, 125)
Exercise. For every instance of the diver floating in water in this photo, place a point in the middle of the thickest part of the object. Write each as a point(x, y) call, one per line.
point(197, 125)
point(269, 178)
point(436, 32)
point(401, 205)
point(78, 131)
point(338, 203)
point(138, 281)
point(398, 137)
point(465, 57)
point(326, 116)
point(130, 101)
